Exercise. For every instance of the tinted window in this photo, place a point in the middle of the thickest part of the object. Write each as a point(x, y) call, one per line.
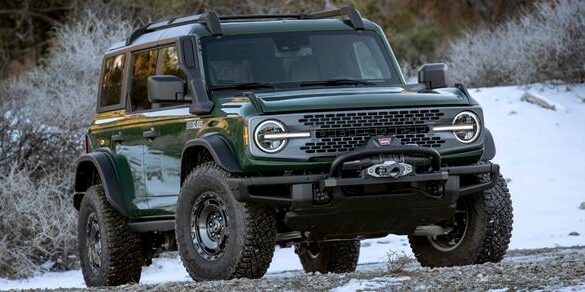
point(162, 61)
point(169, 62)
point(294, 57)
point(111, 87)
point(144, 67)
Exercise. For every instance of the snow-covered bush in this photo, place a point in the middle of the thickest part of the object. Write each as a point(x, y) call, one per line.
point(545, 44)
point(38, 222)
point(43, 114)
point(62, 92)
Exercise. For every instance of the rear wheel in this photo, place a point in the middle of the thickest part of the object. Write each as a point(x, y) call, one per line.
point(220, 238)
point(326, 257)
point(110, 253)
point(479, 231)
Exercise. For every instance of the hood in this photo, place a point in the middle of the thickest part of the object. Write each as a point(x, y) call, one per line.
point(356, 98)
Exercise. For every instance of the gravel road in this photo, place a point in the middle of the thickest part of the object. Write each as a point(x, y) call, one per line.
point(542, 269)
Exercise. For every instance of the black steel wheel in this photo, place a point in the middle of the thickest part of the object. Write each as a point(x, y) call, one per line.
point(93, 243)
point(209, 226)
point(220, 238)
point(457, 227)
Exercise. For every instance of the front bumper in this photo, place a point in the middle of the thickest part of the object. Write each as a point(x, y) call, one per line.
point(321, 205)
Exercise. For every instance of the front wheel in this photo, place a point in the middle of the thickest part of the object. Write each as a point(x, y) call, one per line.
point(480, 231)
point(220, 238)
point(329, 257)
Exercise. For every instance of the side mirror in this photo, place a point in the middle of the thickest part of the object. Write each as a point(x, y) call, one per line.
point(166, 88)
point(433, 75)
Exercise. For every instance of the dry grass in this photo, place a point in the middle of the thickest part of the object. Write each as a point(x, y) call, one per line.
point(398, 262)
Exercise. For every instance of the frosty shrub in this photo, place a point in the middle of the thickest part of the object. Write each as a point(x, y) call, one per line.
point(38, 222)
point(62, 92)
point(397, 262)
point(43, 114)
point(545, 44)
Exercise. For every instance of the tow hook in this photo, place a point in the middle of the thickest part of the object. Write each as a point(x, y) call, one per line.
point(390, 169)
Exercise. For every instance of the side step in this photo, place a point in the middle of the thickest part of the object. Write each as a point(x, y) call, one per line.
point(152, 226)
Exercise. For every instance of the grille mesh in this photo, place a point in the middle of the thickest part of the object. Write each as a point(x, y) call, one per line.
point(342, 132)
point(371, 119)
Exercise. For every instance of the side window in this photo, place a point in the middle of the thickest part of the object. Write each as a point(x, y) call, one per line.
point(168, 62)
point(111, 85)
point(144, 67)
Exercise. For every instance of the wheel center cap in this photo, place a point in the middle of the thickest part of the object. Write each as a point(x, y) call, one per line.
point(215, 224)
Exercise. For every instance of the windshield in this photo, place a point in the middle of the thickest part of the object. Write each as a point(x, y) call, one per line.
point(297, 58)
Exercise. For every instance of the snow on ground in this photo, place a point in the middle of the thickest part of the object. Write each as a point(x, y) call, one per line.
point(540, 151)
point(371, 284)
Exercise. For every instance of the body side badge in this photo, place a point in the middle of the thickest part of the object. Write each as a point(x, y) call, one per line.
point(194, 124)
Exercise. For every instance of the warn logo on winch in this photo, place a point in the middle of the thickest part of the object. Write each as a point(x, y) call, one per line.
point(385, 141)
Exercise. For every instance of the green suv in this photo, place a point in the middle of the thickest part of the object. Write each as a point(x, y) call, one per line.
point(224, 136)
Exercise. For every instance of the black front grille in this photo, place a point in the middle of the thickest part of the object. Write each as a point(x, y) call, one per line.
point(342, 132)
point(371, 119)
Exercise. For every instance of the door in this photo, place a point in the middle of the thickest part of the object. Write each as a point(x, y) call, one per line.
point(163, 155)
point(161, 128)
point(112, 132)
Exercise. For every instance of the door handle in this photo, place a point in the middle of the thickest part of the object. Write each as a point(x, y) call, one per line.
point(118, 138)
point(150, 134)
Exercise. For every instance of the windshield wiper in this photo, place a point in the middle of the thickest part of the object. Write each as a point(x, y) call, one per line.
point(340, 81)
point(249, 85)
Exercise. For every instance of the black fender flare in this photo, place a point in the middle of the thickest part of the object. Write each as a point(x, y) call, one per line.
point(489, 146)
point(219, 149)
point(102, 163)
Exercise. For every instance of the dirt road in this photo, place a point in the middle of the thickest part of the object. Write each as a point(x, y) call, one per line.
point(542, 269)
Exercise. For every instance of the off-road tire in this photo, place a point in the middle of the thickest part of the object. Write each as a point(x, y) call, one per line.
point(121, 258)
point(329, 257)
point(488, 231)
point(250, 244)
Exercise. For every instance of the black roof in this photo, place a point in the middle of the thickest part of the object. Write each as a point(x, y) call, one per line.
point(213, 21)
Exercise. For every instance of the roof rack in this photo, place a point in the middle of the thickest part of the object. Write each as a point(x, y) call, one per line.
point(209, 19)
point(354, 16)
point(213, 21)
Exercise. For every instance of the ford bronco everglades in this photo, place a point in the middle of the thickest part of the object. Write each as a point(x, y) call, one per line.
point(224, 136)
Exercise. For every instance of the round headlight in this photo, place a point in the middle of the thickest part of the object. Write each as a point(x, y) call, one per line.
point(266, 143)
point(467, 119)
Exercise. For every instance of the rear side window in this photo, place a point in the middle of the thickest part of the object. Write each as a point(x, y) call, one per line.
point(111, 85)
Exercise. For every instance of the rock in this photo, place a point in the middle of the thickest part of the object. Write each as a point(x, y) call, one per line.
point(511, 113)
point(539, 101)
point(574, 233)
point(582, 206)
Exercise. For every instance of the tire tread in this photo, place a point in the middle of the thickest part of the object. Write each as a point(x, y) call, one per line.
point(123, 259)
point(259, 230)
